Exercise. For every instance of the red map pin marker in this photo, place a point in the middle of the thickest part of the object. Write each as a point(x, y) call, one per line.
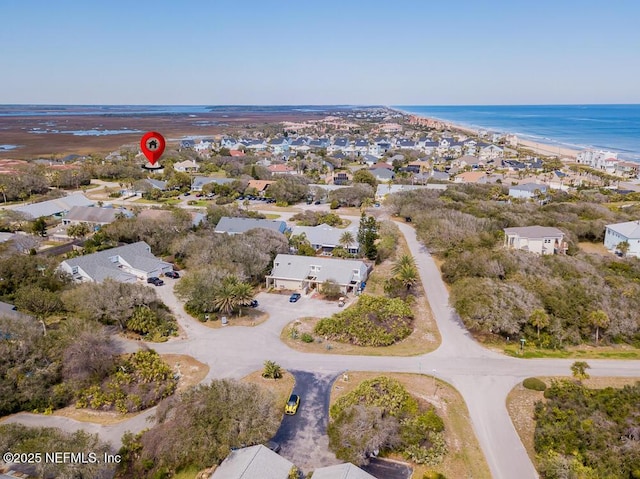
point(152, 145)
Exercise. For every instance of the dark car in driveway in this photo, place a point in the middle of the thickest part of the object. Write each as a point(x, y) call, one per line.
point(294, 297)
point(172, 274)
point(155, 281)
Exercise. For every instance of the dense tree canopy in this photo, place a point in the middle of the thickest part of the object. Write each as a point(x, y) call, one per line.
point(206, 421)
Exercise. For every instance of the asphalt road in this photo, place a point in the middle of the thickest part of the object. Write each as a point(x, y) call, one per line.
point(383, 469)
point(303, 436)
point(483, 377)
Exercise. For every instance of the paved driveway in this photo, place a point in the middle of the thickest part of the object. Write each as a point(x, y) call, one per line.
point(303, 436)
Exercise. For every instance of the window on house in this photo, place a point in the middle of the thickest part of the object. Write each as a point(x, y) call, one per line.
point(74, 270)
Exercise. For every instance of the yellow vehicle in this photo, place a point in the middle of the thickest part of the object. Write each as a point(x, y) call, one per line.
point(292, 404)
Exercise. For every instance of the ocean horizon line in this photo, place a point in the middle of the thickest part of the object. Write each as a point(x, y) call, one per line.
point(383, 105)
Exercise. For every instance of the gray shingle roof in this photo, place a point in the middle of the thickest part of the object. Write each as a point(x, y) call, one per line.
point(287, 266)
point(324, 235)
point(341, 471)
point(100, 267)
point(252, 463)
point(628, 229)
point(242, 225)
point(91, 214)
point(56, 206)
point(534, 232)
point(530, 187)
point(200, 181)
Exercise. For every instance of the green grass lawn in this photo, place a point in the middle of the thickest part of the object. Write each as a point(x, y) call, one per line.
point(574, 352)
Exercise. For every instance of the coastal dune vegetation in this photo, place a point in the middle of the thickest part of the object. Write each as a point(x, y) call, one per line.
point(553, 301)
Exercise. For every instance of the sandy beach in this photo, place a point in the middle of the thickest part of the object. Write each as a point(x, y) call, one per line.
point(537, 148)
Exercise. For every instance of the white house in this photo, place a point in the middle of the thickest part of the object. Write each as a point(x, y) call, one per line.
point(535, 239)
point(527, 190)
point(620, 232)
point(491, 152)
point(125, 264)
point(186, 166)
point(305, 273)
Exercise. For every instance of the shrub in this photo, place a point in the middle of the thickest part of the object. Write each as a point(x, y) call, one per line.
point(433, 475)
point(534, 384)
point(372, 321)
point(306, 338)
point(272, 370)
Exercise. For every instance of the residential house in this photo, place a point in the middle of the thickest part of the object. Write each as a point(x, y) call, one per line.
point(237, 153)
point(319, 143)
point(406, 144)
point(339, 177)
point(260, 185)
point(205, 145)
point(470, 177)
point(382, 175)
point(187, 166)
point(369, 160)
point(630, 169)
point(187, 145)
point(535, 239)
point(300, 144)
point(429, 146)
point(93, 216)
point(527, 190)
point(281, 169)
point(253, 462)
point(305, 273)
point(254, 144)
point(379, 147)
point(617, 233)
point(325, 238)
point(514, 165)
point(126, 264)
point(235, 226)
point(279, 145)
point(361, 147)
point(228, 142)
point(341, 471)
point(598, 159)
point(57, 207)
point(468, 160)
point(142, 186)
point(199, 182)
point(491, 152)
point(338, 145)
point(197, 218)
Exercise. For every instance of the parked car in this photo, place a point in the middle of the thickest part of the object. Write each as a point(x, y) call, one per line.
point(254, 303)
point(292, 405)
point(155, 281)
point(274, 446)
point(295, 297)
point(172, 274)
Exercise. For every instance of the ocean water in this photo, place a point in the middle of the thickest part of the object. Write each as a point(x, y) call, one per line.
point(608, 127)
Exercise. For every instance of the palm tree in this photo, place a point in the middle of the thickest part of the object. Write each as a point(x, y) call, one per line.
point(224, 298)
point(407, 274)
point(540, 319)
point(404, 261)
point(244, 294)
point(347, 239)
point(598, 319)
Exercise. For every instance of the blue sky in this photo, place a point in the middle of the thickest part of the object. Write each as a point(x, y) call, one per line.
point(319, 52)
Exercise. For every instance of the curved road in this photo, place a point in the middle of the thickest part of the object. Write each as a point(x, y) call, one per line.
point(483, 377)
